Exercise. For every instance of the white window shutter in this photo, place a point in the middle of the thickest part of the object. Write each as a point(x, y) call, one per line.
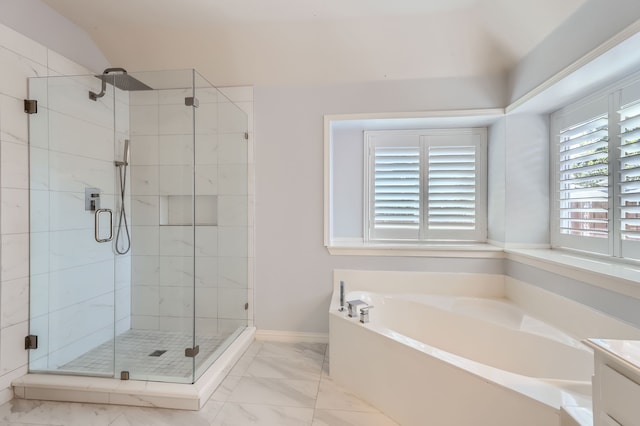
point(584, 179)
point(451, 188)
point(426, 185)
point(630, 172)
point(396, 188)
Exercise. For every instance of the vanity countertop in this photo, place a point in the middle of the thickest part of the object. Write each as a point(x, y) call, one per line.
point(625, 351)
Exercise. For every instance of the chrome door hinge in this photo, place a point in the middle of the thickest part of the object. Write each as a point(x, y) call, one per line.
point(31, 342)
point(30, 106)
point(246, 135)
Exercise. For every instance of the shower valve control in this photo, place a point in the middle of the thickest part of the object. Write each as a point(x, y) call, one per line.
point(353, 306)
point(91, 199)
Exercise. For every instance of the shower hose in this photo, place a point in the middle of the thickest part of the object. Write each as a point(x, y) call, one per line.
point(122, 216)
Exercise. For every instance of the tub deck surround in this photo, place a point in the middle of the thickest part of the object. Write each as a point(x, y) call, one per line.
point(52, 387)
point(451, 340)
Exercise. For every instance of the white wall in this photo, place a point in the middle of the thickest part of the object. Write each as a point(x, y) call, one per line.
point(519, 181)
point(589, 27)
point(613, 304)
point(527, 180)
point(293, 269)
point(347, 162)
point(497, 181)
point(38, 21)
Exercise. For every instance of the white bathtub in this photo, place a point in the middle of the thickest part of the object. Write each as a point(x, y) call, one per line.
point(457, 353)
point(489, 331)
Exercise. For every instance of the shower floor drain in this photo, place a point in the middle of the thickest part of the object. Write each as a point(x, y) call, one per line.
point(157, 353)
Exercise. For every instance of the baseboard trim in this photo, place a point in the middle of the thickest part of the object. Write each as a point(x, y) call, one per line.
point(292, 336)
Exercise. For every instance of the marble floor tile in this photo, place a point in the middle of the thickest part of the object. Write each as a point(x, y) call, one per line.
point(263, 415)
point(254, 348)
point(285, 368)
point(57, 413)
point(325, 368)
point(29, 424)
point(350, 418)
point(285, 392)
point(274, 384)
point(136, 416)
point(226, 387)
point(242, 365)
point(12, 411)
point(334, 397)
point(293, 350)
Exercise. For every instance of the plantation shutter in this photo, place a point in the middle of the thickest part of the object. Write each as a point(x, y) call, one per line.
point(598, 173)
point(451, 188)
point(395, 200)
point(630, 172)
point(426, 185)
point(584, 179)
point(397, 188)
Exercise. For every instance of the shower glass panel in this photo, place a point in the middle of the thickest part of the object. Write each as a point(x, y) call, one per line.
point(72, 286)
point(221, 256)
point(139, 220)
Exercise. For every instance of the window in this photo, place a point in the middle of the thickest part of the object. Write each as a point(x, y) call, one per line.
point(597, 182)
point(629, 116)
point(425, 185)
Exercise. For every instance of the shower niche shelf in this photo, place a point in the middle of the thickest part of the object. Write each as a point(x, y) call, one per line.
point(176, 210)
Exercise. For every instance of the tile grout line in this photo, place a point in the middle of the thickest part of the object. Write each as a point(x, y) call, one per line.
point(315, 405)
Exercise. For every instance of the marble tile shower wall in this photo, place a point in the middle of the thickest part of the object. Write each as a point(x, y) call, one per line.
point(21, 58)
point(162, 165)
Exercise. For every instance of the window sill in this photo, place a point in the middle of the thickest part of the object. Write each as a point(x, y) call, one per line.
point(619, 277)
point(478, 251)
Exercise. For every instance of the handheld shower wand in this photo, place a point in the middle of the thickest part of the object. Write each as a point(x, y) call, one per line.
point(125, 155)
point(122, 215)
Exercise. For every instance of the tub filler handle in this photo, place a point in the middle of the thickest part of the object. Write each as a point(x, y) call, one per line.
point(364, 314)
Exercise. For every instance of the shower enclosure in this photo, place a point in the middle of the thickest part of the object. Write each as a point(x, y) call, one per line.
point(139, 225)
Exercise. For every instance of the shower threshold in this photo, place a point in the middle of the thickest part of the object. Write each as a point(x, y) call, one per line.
point(57, 387)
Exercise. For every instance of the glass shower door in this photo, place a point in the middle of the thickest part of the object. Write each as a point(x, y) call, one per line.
point(72, 274)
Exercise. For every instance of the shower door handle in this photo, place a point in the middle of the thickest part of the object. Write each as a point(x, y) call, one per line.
point(97, 226)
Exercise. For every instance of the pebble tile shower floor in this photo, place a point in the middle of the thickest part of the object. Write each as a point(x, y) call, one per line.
point(138, 353)
point(273, 384)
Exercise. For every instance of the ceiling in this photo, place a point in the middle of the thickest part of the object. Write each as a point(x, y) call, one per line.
point(236, 42)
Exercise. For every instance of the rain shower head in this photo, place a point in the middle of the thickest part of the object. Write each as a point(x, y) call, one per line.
point(122, 81)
